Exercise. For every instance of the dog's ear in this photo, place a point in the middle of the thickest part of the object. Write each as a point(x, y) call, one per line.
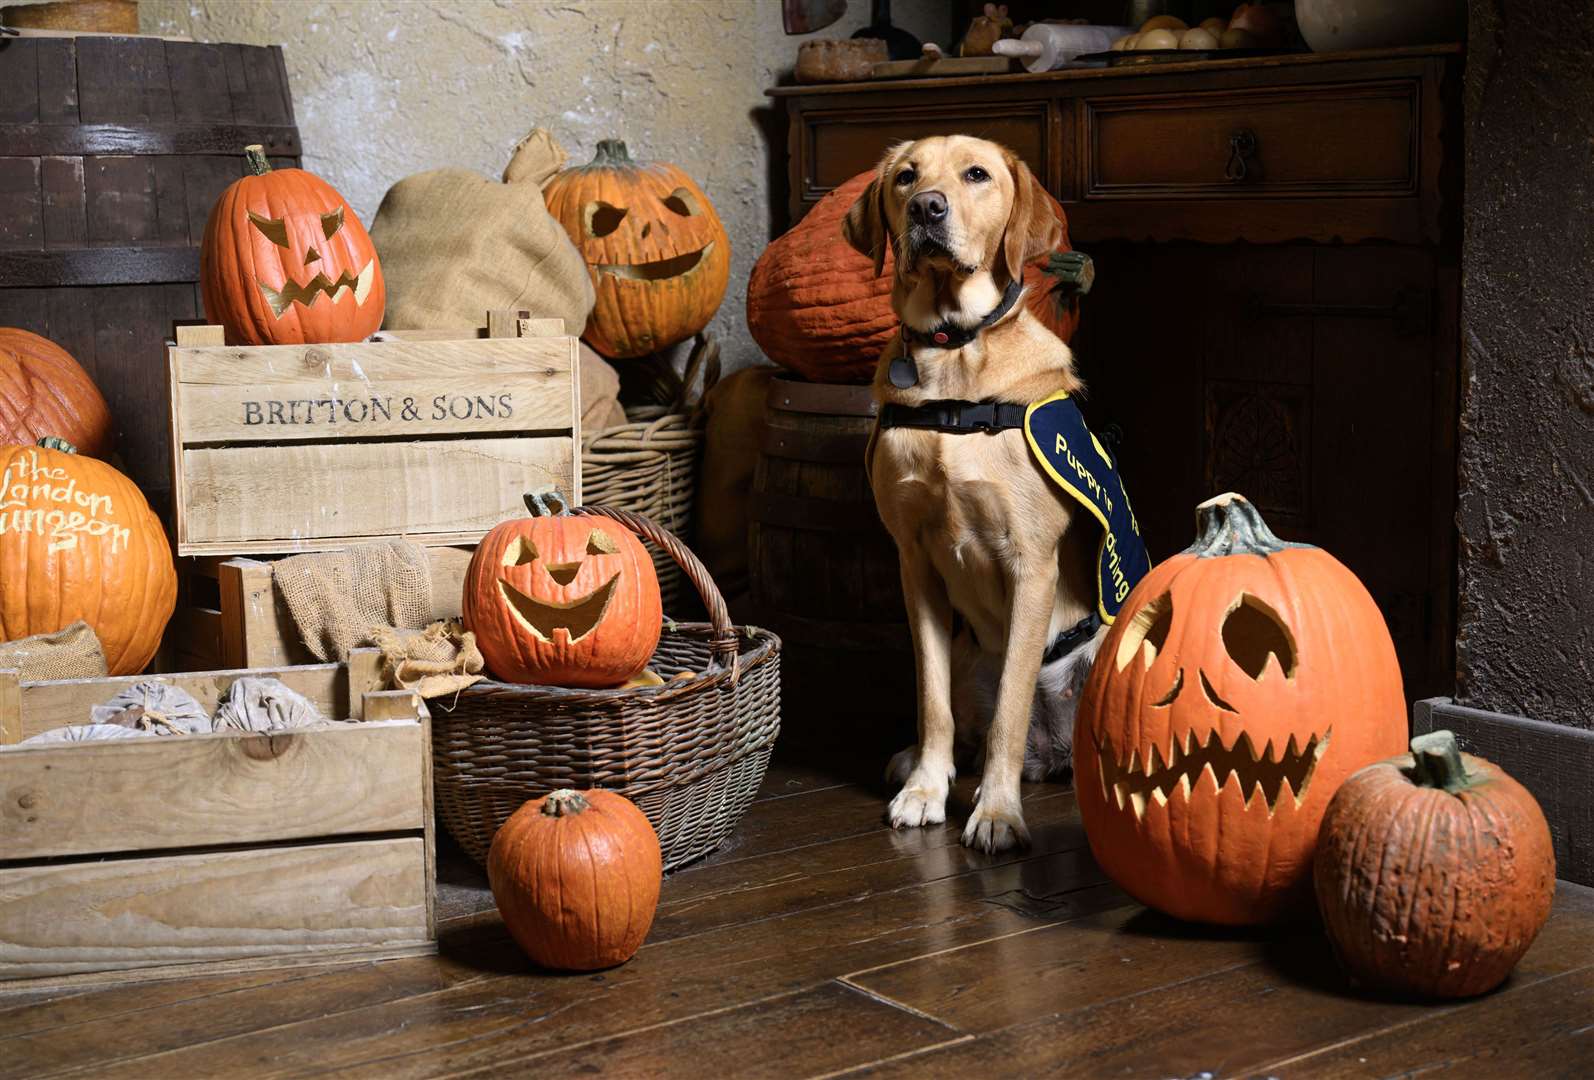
point(1032, 225)
point(864, 227)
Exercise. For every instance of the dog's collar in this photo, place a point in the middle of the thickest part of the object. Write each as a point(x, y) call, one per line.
point(1072, 638)
point(954, 417)
point(949, 336)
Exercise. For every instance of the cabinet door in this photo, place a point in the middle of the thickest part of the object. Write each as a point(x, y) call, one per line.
point(1304, 378)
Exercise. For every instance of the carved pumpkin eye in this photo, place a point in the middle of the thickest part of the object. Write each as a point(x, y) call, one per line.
point(681, 202)
point(1252, 631)
point(600, 543)
point(273, 229)
point(1147, 631)
point(602, 218)
point(331, 223)
point(520, 552)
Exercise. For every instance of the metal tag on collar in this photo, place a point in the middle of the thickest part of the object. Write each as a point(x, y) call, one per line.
point(903, 372)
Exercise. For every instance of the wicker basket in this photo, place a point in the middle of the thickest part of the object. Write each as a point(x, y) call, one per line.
point(690, 753)
point(649, 465)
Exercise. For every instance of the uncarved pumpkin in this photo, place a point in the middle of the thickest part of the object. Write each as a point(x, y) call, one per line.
point(285, 261)
point(816, 306)
point(576, 878)
point(78, 541)
point(657, 251)
point(1434, 872)
point(1243, 680)
point(43, 391)
point(563, 599)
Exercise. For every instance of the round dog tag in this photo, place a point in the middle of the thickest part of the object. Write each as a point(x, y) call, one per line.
point(903, 372)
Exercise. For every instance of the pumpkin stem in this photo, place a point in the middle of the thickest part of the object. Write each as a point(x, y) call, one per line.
point(1437, 761)
point(54, 442)
point(1228, 524)
point(564, 802)
point(547, 503)
point(258, 165)
point(611, 154)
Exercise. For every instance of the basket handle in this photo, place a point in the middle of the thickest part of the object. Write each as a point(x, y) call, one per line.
point(725, 645)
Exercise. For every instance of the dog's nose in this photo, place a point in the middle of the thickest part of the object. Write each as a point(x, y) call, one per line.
point(927, 207)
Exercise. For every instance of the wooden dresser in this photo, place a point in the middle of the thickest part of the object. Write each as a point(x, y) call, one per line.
point(1275, 309)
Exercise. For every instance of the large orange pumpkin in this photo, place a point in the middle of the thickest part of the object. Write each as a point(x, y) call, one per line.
point(816, 306)
point(78, 541)
point(286, 262)
point(576, 877)
point(1434, 872)
point(43, 391)
point(563, 599)
point(1244, 679)
point(657, 251)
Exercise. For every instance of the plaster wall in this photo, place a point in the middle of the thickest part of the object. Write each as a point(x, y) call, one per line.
point(386, 88)
point(1526, 512)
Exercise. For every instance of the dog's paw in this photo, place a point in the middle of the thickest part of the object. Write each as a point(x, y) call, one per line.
point(996, 825)
point(904, 763)
point(922, 801)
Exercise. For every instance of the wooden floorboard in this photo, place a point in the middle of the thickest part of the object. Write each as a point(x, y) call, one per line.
point(820, 942)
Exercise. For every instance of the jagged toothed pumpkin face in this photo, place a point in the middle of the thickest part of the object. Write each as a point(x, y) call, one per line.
point(657, 251)
point(285, 261)
point(1243, 681)
point(563, 600)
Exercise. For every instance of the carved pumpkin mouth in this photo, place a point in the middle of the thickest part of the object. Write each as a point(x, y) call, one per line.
point(659, 269)
point(577, 619)
point(318, 286)
point(1158, 777)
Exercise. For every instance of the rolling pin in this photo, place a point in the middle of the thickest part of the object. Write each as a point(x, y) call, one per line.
point(1048, 46)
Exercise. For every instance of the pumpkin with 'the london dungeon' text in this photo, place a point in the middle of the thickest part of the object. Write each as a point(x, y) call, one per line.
point(1244, 679)
point(286, 262)
point(657, 251)
point(78, 541)
point(563, 599)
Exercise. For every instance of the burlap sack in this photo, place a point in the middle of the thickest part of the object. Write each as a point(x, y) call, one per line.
point(337, 598)
point(455, 244)
point(600, 393)
point(155, 706)
point(73, 653)
point(440, 660)
point(725, 481)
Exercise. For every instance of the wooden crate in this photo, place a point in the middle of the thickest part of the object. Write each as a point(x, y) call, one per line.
point(287, 448)
point(180, 854)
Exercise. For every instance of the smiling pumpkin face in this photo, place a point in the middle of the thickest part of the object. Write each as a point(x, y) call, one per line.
point(285, 261)
point(657, 252)
point(563, 600)
point(1244, 679)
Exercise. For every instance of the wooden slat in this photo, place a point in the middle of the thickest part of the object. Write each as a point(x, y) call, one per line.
point(374, 362)
point(170, 792)
point(57, 82)
point(98, 266)
point(62, 919)
point(19, 83)
point(447, 491)
point(70, 138)
point(65, 213)
point(10, 708)
point(21, 204)
point(123, 80)
point(47, 705)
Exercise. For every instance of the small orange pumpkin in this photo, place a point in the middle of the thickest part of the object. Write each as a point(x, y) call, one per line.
point(657, 251)
point(816, 306)
point(1243, 680)
point(563, 599)
point(78, 541)
point(286, 262)
point(43, 391)
point(576, 877)
point(1434, 872)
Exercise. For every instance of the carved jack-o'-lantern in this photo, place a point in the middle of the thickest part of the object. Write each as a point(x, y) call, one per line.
point(1244, 679)
point(563, 599)
point(285, 261)
point(657, 251)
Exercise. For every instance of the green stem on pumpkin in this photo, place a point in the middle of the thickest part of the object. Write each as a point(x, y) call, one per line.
point(564, 802)
point(1437, 762)
point(55, 442)
point(1228, 524)
point(258, 165)
point(611, 154)
point(547, 503)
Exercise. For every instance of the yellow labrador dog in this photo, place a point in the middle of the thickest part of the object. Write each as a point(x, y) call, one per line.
point(997, 563)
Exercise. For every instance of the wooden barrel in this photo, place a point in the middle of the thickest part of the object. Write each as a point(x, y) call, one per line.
point(112, 150)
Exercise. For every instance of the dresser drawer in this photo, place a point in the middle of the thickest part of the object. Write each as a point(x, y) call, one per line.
point(1327, 141)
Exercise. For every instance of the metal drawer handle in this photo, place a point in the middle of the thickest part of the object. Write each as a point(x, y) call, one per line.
point(1242, 146)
